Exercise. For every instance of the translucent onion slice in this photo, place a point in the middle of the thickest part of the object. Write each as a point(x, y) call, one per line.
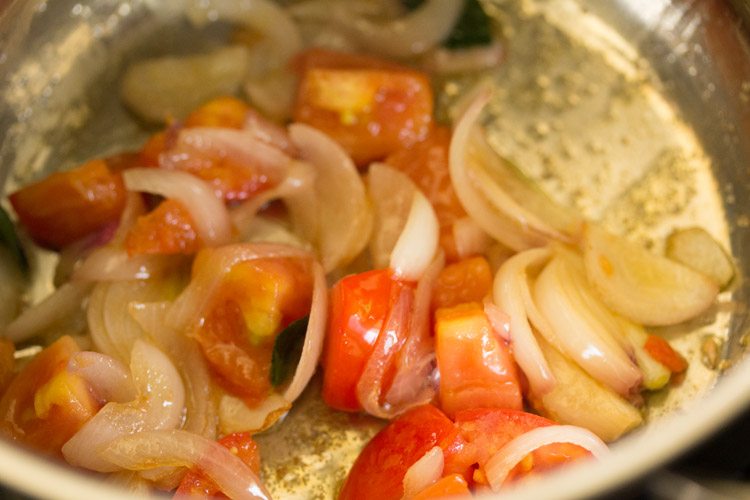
point(159, 405)
point(413, 34)
point(501, 201)
point(273, 94)
point(510, 289)
point(147, 450)
point(643, 287)
point(314, 336)
point(424, 472)
point(418, 242)
point(171, 87)
point(343, 209)
point(266, 17)
point(190, 306)
point(469, 237)
point(601, 410)
point(269, 132)
point(698, 250)
point(499, 466)
point(114, 264)
point(416, 378)
point(392, 194)
point(236, 416)
point(446, 61)
point(60, 305)
point(582, 335)
point(200, 406)
point(113, 330)
point(207, 212)
point(109, 379)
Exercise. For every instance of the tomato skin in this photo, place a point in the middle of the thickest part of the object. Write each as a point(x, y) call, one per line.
point(225, 111)
point(66, 206)
point(166, 230)
point(476, 367)
point(426, 163)
point(468, 280)
point(66, 401)
point(369, 112)
point(378, 472)
point(359, 306)
point(196, 484)
point(453, 485)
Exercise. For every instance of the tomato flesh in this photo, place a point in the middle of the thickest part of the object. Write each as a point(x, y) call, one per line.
point(166, 230)
point(44, 404)
point(359, 306)
point(369, 112)
point(66, 206)
point(226, 111)
point(476, 367)
point(378, 472)
point(468, 280)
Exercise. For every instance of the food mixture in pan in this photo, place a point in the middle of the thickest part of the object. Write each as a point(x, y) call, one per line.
point(304, 208)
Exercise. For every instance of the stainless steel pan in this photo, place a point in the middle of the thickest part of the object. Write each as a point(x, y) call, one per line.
point(636, 112)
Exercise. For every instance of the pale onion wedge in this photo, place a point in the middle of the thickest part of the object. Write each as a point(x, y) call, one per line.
point(577, 399)
point(391, 192)
point(236, 416)
point(655, 374)
point(424, 472)
point(344, 211)
point(644, 287)
point(500, 199)
point(418, 242)
point(698, 250)
point(171, 87)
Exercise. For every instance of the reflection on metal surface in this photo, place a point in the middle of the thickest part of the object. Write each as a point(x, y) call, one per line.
point(635, 112)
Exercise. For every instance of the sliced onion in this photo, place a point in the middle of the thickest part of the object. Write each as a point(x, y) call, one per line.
point(418, 242)
point(601, 410)
point(584, 338)
point(502, 202)
point(266, 17)
point(200, 408)
point(273, 94)
point(499, 320)
point(236, 416)
point(159, 406)
point(499, 466)
point(146, 450)
point(60, 305)
point(316, 328)
point(696, 248)
point(415, 381)
point(343, 210)
point(412, 34)
point(298, 183)
point(114, 264)
point(108, 378)
point(644, 287)
point(269, 132)
point(113, 330)
point(207, 212)
point(442, 60)
point(392, 194)
point(469, 237)
point(165, 88)
point(191, 304)
point(424, 472)
point(262, 229)
point(509, 289)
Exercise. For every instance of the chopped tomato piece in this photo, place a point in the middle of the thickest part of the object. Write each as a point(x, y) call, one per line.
point(359, 305)
point(453, 485)
point(166, 230)
point(44, 404)
point(469, 280)
point(370, 112)
point(196, 484)
point(67, 206)
point(378, 473)
point(227, 112)
point(661, 351)
point(487, 430)
point(426, 163)
point(255, 301)
point(476, 367)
